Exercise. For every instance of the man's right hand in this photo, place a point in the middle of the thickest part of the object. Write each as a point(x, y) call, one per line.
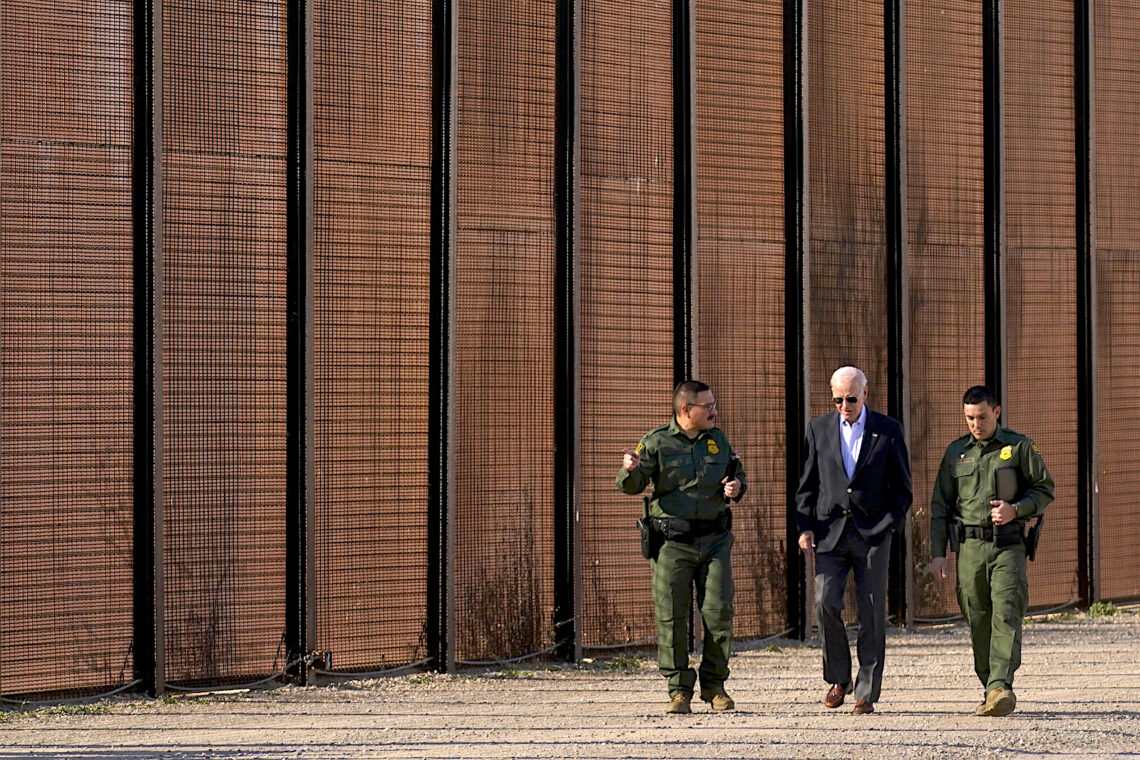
point(630, 461)
point(938, 567)
point(807, 541)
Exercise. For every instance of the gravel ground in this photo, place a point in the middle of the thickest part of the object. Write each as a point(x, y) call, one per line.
point(1078, 696)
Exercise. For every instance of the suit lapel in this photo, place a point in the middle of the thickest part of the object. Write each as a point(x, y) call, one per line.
point(870, 441)
point(836, 440)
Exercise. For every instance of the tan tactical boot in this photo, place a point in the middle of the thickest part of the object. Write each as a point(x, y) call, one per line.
point(679, 704)
point(718, 698)
point(999, 702)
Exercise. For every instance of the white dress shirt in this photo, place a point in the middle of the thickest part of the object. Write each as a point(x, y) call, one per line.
point(851, 440)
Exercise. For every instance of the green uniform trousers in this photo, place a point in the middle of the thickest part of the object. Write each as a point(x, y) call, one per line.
point(706, 563)
point(993, 592)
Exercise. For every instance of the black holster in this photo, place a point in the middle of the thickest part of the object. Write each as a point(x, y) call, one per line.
point(1009, 535)
point(688, 531)
point(1032, 537)
point(651, 538)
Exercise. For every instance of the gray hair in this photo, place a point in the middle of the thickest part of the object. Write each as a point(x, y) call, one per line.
point(846, 373)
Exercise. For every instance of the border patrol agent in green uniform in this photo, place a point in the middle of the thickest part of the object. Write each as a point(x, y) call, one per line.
point(990, 483)
point(687, 462)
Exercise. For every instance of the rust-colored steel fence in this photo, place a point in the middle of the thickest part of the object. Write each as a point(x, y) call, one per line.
point(417, 271)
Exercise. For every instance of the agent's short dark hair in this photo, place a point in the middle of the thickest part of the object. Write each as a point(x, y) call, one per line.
point(686, 393)
point(979, 394)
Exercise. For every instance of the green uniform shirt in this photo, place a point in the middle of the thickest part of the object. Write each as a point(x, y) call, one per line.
point(685, 472)
point(968, 480)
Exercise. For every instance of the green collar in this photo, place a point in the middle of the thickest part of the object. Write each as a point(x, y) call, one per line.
point(999, 436)
point(676, 429)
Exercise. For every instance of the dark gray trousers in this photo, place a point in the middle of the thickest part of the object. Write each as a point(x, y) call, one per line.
point(852, 554)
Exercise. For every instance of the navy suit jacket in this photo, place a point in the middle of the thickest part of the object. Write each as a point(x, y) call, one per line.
point(876, 496)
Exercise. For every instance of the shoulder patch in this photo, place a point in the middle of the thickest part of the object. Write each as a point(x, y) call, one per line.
point(640, 446)
point(957, 446)
point(1016, 436)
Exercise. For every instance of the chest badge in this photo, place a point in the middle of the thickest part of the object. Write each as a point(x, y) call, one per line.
point(1006, 453)
point(713, 448)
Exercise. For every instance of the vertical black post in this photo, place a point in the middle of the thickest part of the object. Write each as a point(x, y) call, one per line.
point(1088, 524)
point(684, 260)
point(149, 622)
point(683, 301)
point(796, 289)
point(566, 334)
point(894, 24)
point(299, 612)
point(440, 625)
point(994, 195)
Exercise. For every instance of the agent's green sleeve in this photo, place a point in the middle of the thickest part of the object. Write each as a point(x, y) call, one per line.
point(739, 475)
point(943, 505)
point(635, 481)
point(1039, 483)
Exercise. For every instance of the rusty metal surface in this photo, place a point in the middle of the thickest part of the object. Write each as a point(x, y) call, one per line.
point(66, 412)
point(1041, 317)
point(1117, 101)
point(740, 254)
point(946, 253)
point(626, 285)
point(224, 307)
point(371, 261)
point(504, 329)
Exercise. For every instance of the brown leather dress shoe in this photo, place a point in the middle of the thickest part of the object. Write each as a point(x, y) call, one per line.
point(836, 694)
point(863, 708)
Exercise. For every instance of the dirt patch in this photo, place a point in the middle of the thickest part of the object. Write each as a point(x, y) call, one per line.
point(1078, 696)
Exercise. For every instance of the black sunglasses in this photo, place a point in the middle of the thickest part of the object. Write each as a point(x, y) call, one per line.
point(838, 400)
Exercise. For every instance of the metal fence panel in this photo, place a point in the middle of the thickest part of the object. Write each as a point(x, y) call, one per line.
point(740, 261)
point(626, 286)
point(1117, 71)
point(504, 322)
point(371, 199)
point(66, 367)
point(1041, 239)
point(224, 313)
point(847, 237)
point(946, 253)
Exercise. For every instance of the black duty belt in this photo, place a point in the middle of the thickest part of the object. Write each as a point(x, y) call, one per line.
point(983, 532)
point(1007, 535)
point(687, 531)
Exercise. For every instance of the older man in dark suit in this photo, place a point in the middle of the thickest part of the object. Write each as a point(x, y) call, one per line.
point(854, 492)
